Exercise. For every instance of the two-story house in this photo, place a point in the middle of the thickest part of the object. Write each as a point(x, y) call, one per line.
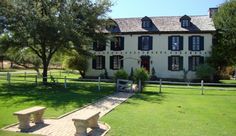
point(169, 44)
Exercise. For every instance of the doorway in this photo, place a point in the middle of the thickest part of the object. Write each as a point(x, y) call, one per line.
point(145, 62)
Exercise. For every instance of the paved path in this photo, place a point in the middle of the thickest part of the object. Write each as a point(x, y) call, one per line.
point(65, 126)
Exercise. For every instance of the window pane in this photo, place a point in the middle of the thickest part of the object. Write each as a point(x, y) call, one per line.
point(145, 43)
point(196, 43)
point(99, 62)
point(175, 63)
point(175, 43)
point(116, 62)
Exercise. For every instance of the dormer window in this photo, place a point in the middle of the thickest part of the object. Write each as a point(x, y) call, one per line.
point(185, 21)
point(146, 22)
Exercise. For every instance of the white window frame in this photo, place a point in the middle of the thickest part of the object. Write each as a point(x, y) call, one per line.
point(195, 62)
point(116, 62)
point(185, 23)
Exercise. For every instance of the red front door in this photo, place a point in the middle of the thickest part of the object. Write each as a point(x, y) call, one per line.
point(145, 62)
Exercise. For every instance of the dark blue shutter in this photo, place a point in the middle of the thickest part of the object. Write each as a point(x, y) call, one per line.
point(94, 63)
point(121, 62)
point(181, 43)
point(170, 43)
point(122, 43)
point(201, 60)
point(140, 43)
point(112, 44)
point(181, 63)
point(95, 46)
point(150, 42)
point(103, 62)
point(111, 62)
point(190, 62)
point(190, 43)
point(201, 43)
point(169, 63)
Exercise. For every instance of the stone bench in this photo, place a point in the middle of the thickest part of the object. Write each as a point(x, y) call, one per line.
point(24, 117)
point(85, 120)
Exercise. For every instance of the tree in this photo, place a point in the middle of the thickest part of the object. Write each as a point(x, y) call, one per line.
point(224, 50)
point(77, 62)
point(205, 72)
point(48, 26)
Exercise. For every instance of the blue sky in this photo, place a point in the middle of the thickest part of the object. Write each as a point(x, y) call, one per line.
point(140, 8)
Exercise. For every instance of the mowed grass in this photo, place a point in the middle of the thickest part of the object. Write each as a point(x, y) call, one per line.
point(57, 99)
point(175, 112)
point(228, 81)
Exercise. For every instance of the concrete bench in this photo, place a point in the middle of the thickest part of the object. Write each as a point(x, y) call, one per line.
point(85, 120)
point(24, 117)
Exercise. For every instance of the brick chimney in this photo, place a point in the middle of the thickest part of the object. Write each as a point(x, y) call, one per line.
point(212, 11)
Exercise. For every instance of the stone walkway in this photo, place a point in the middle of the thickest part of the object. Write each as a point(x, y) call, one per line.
point(65, 126)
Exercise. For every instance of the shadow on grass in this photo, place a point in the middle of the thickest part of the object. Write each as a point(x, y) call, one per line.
point(76, 93)
point(148, 96)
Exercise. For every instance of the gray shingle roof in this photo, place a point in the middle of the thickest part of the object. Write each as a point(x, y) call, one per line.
point(164, 24)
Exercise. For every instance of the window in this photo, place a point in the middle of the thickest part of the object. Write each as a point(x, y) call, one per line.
point(196, 43)
point(99, 46)
point(146, 24)
point(99, 62)
point(116, 62)
point(185, 23)
point(175, 43)
point(117, 44)
point(175, 63)
point(145, 43)
point(195, 61)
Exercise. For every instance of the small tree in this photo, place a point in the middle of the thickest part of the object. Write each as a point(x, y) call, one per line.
point(205, 72)
point(121, 74)
point(153, 74)
point(142, 75)
point(131, 76)
point(77, 62)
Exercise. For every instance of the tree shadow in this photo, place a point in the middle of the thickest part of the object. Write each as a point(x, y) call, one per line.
point(77, 94)
point(148, 96)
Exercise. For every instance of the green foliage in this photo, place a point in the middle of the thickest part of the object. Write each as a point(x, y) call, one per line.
point(205, 72)
point(121, 74)
point(49, 26)
point(142, 75)
point(224, 49)
point(153, 74)
point(131, 76)
point(76, 62)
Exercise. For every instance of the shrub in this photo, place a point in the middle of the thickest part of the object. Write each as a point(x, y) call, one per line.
point(153, 74)
point(205, 72)
point(131, 76)
point(121, 74)
point(142, 75)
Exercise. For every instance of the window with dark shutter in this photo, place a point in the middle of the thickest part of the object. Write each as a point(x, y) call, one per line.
point(175, 63)
point(196, 43)
point(116, 62)
point(145, 43)
point(99, 46)
point(117, 44)
point(194, 62)
point(175, 43)
point(98, 62)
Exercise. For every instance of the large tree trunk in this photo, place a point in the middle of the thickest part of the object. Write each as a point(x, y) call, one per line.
point(2, 62)
point(45, 72)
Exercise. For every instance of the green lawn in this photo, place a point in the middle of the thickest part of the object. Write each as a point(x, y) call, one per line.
point(175, 112)
point(228, 81)
point(58, 100)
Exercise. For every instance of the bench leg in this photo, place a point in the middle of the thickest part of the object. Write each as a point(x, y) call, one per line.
point(93, 122)
point(24, 122)
point(81, 128)
point(38, 117)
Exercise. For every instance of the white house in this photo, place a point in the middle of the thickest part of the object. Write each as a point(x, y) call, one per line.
point(169, 44)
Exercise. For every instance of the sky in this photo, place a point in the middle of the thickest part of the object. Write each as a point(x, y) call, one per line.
point(141, 8)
